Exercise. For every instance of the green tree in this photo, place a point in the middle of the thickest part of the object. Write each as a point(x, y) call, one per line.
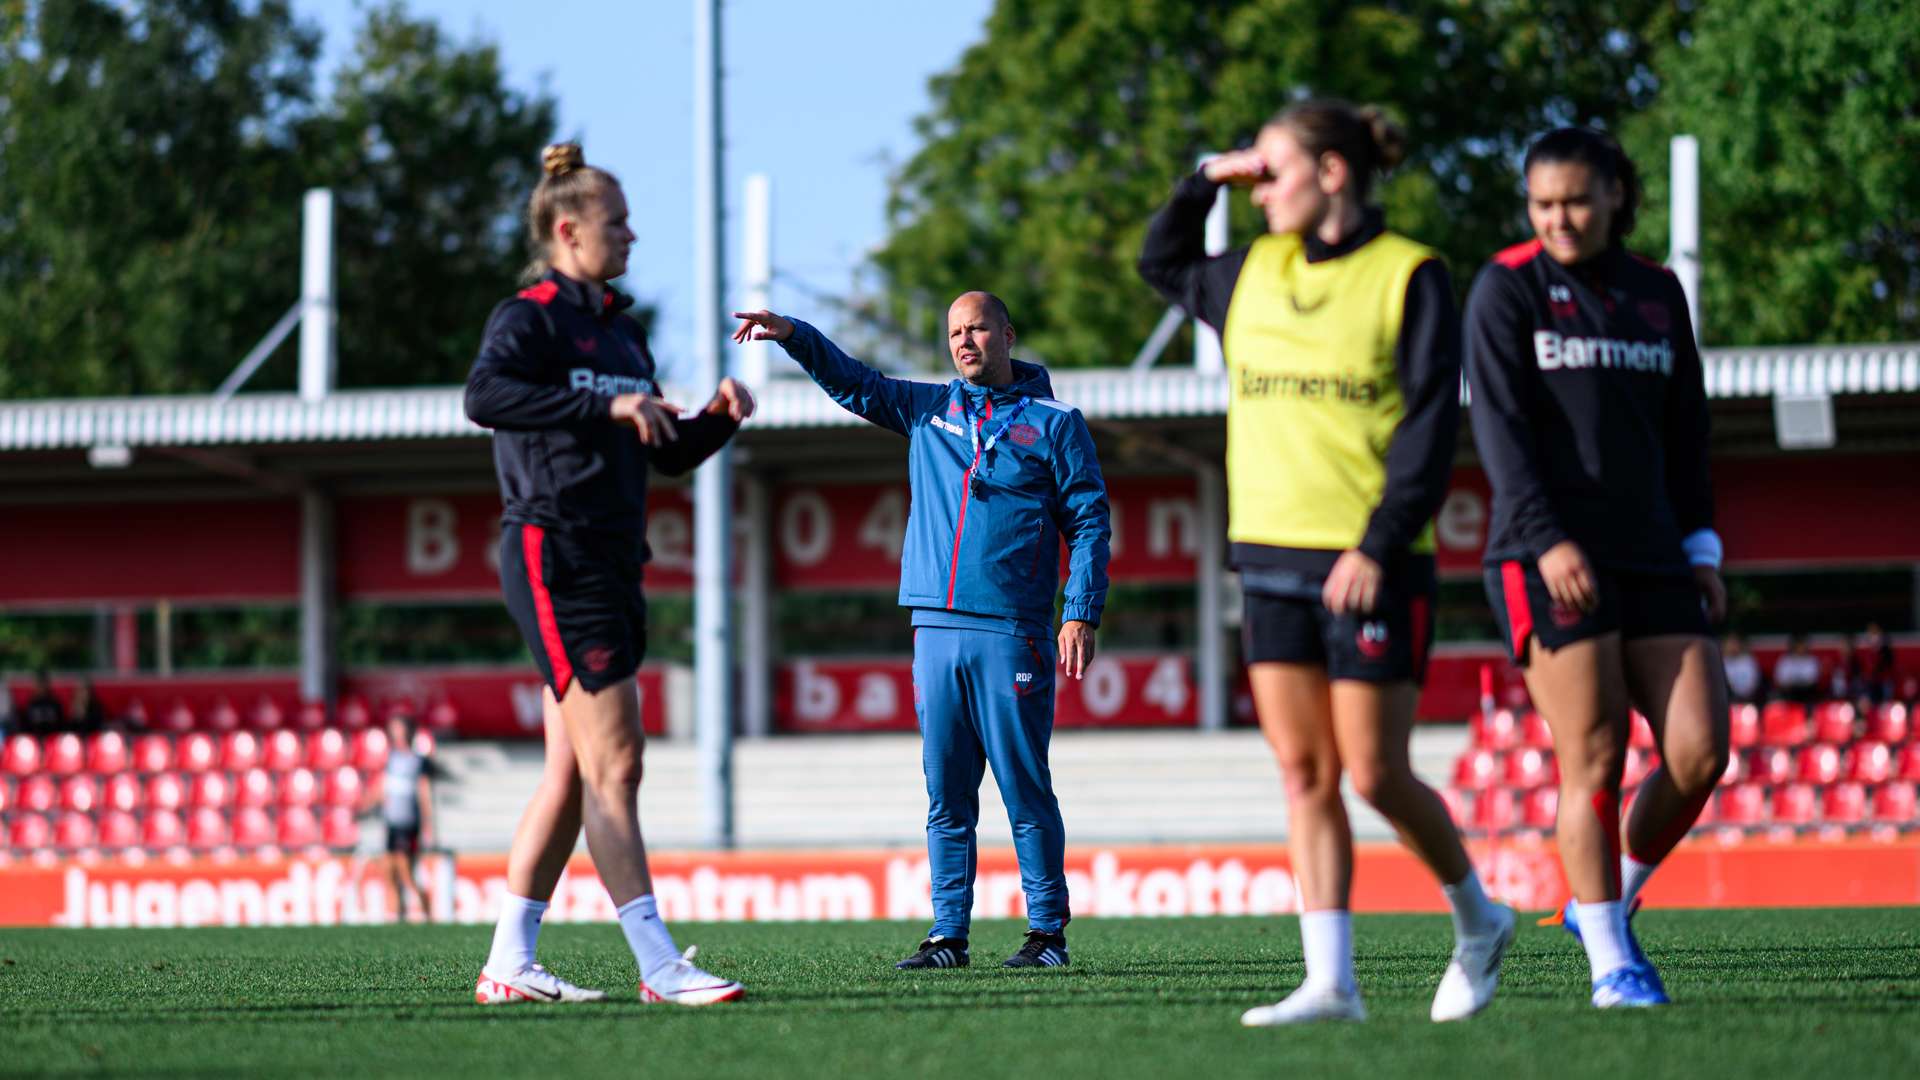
point(152, 160)
point(1808, 116)
point(1052, 141)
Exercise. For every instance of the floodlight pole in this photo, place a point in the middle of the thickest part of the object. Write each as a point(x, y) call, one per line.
point(1683, 250)
point(713, 705)
point(317, 359)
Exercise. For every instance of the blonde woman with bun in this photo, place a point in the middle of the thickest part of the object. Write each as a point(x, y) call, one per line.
point(566, 382)
point(1342, 345)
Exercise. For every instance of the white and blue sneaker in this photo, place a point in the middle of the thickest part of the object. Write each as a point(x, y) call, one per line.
point(1568, 919)
point(1632, 987)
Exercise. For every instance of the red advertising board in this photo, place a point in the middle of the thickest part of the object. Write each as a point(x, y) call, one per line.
point(1113, 882)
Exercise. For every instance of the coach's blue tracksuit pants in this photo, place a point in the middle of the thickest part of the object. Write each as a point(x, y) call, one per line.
point(985, 697)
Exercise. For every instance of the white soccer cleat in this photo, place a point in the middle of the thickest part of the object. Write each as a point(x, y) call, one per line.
point(683, 984)
point(1474, 973)
point(1310, 1004)
point(535, 984)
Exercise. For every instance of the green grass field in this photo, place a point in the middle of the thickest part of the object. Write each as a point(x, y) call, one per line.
point(1760, 994)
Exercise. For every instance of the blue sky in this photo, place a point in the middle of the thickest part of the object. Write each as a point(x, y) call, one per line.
point(821, 95)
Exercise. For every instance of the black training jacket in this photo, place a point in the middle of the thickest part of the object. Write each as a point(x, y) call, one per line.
point(549, 368)
point(1589, 409)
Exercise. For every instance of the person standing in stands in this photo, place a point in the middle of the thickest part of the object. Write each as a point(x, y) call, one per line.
point(1602, 564)
point(43, 714)
point(1000, 473)
point(566, 381)
point(1796, 674)
point(1343, 365)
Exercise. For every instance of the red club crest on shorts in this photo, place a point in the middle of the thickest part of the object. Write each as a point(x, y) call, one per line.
point(1563, 616)
point(597, 659)
point(1372, 640)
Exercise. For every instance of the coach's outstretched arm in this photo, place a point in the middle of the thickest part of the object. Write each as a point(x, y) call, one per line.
point(1086, 524)
point(893, 404)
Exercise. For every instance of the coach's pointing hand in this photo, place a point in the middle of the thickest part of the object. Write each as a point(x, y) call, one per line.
point(1076, 647)
point(761, 326)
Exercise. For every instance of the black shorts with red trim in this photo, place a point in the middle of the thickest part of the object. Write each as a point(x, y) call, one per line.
point(1388, 645)
point(1632, 605)
point(403, 840)
point(576, 597)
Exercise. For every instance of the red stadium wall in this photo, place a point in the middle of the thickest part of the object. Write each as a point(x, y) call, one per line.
point(1104, 882)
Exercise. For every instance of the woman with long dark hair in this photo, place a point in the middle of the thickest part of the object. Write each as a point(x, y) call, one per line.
point(566, 382)
point(1590, 413)
point(1343, 358)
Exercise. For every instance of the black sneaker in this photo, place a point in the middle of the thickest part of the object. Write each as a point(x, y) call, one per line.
point(940, 952)
point(1041, 950)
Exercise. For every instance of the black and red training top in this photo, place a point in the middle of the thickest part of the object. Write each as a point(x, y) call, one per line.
point(1589, 409)
point(551, 362)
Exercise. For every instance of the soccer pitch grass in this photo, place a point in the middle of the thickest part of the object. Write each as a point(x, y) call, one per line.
point(1760, 993)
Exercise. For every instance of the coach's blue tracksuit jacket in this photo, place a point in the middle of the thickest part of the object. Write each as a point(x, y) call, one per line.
point(980, 570)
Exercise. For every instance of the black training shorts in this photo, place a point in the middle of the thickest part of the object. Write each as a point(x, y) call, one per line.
point(577, 601)
point(1632, 605)
point(1386, 645)
point(403, 840)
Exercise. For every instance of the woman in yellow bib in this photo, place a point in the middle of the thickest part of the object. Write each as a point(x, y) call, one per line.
point(1342, 344)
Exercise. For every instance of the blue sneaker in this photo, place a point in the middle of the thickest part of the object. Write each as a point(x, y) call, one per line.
point(1567, 918)
point(1631, 987)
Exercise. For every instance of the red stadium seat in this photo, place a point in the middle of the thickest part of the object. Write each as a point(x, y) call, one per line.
point(1818, 764)
point(74, 832)
point(1640, 764)
point(80, 794)
point(299, 828)
point(423, 743)
point(107, 753)
point(1833, 722)
point(21, 756)
point(119, 830)
point(1743, 725)
point(312, 716)
point(179, 718)
point(1796, 804)
point(1894, 804)
point(1741, 804)
point(1458, 803)
point(443, 718)
point(354, 714)
point(6, 795)
point(1531, 768)
point(299, 788)
point(122, 792)
point(1472, 770)
point(1783, 723)
point(223, 716)
point(63, 754)
point(38, 793)
point(283, 751)
point(1890, 723)
point(1869, 763)
point(136, 715)
point(344, 787)
point(266, 715)
point(1640, 731)
point(1770, 765)
point(240, 751)
point(166, 791)
point(1844, 804)
point(1534, 731)
point(1495, 810)
point(253, 828)
point(1540, 808)
point(152, 754)
point(370, 750)
point(162, 829)
point(255, 787)
point(1499, 730)
point(211, 790)
point(340, 828)
point(29, 833)
point(326, 750)
point(197, 753)
point(1908, 767)
point(208, 829)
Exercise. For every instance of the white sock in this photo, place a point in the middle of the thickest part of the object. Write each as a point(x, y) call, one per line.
point(1327, 939)
point(1633, 874)
point(646, 935)
point(1473, 913)
point(515, 935)
point(1603, 930)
